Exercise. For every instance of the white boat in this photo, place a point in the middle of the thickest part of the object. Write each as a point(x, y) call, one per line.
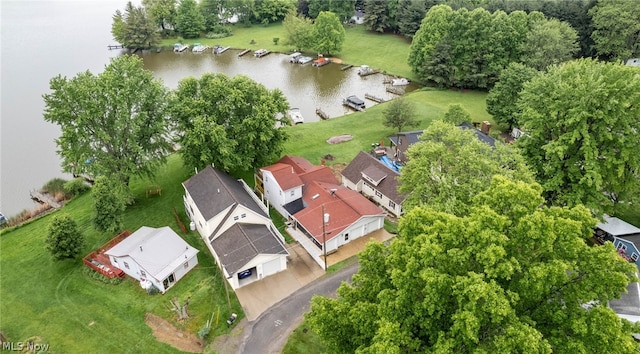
point(295, 116)
point(365, 70)
point(293, 58)
point(199, 48)
point(260, 53)
point(304, 60)
point(219, 49)
point(400, 82)
point(179, 47)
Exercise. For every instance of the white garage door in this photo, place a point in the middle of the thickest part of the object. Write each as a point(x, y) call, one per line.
point(271, 267)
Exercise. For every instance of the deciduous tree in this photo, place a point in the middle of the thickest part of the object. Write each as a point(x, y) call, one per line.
point(328, 33)
point(502, 99)
point(376, 17)
point(549, 42)
point(268, 11)
point(114, 123)
point(344, 9)
point(449, 165)
point(64, 239)
point(456, 115)
point(582, 121)
point(616, 28)
point(511, 277)
point(230, 122)
point(299, 30)
point(109, 203)
point(189, 19)
point(133, 28)
point(400, 114)
point(409, 15)
point(162, 12)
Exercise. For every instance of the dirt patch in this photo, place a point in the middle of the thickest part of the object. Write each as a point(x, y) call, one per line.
point(337, 169)
point(167, 333)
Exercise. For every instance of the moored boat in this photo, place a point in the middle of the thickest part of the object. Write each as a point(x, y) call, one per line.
point(304, 60)
point(217, 49)
point(179, 47)
point(295, 116)
point(354, 102)
point(400, 82)
point(260, 53)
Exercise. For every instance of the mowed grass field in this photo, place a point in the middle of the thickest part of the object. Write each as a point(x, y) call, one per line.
point(361, 47)
point(58, 302)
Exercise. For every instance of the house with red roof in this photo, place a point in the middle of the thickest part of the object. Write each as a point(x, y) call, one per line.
point(323, 214)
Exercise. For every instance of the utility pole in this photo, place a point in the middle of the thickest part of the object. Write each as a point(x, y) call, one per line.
point(325, 219)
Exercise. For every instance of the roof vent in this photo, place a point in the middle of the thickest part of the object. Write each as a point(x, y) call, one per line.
point(140, 248)
point(315, 197)
point(218, 190)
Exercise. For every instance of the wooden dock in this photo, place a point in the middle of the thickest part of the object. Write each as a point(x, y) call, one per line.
point(45, 199)
point(321, 114)
point(346, 67)
point(395, 91)
point(374, 98)
point(115, 46)
point(244, 52)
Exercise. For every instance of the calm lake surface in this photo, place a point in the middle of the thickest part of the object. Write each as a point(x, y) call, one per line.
point(41, 39)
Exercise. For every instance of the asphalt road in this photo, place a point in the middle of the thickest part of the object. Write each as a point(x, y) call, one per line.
point(269, 333)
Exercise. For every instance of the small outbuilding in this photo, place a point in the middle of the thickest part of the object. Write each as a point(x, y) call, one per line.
point(155, 256)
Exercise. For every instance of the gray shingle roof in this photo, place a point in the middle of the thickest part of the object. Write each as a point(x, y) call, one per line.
point(487, 139)
point(241, 243)
point(214, 191)
point(365, 162)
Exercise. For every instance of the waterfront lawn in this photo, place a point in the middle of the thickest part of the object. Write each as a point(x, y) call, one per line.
point(386, 52)
point(56, 301)
point(309, 140)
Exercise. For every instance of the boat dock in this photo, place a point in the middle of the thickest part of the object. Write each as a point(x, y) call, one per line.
point(321, 114)
point(374, 98)
point(395, 91)
point(45, 199)
point(244, 52)
point(346, 67)
point(115, 46)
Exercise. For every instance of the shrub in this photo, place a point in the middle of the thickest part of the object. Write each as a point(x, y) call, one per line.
point(219, 31)
point(100, 277)
point(75, 187)
point(54, 186)
point(64, 239)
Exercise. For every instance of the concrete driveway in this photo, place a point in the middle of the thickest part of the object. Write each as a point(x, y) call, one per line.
point(258, 296)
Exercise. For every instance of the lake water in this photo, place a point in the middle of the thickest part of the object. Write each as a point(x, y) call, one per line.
point(41, 39)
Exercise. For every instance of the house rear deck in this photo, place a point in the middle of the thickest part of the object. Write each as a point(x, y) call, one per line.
point(99, 262)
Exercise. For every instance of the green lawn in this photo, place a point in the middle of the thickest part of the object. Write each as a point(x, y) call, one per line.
point(76, 314)
point(381, 51)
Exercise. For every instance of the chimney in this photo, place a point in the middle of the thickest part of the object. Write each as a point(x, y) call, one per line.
point(141, 248)
point(486, 126)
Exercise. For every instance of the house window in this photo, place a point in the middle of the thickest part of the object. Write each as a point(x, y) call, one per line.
point(346, 236)
point(392, 205)
point(293, 192)
point(621, 246)
point(279, 192)
point(115, 260)
point(186, 265)
point(378, 194)
point(634, 256)
point(142, 273)
point(244, 215)
point(126, 265)
point(235, 218)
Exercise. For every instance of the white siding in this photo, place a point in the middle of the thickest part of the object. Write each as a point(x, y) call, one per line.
point(272, 190)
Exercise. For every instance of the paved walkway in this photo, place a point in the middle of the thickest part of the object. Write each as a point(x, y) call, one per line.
point(258, 296)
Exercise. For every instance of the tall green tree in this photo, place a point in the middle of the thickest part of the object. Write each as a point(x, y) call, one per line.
point(456, 115)
point(344, 9)
point(161, 12)
point(502, 99)
point(549, 42)
point(268, 11)
point(409, 15)
point(189, 19)
point(133, 28)
point(433, 33)
point(233, 123)
point(400, 114)
point(114, 123)
point(211, 12)
point(376, 16)
point(616, 28)
point(511, 277)
point(582, 121)
point(109, 203)
point(64, 239)
point(299, 30)
point(449, 165)
point(328, 33)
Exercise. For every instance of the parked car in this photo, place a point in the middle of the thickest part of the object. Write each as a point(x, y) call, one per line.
point(244, 274)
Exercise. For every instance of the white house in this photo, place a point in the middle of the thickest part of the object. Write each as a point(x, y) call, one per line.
point(302, 192)
point(375, 180)
point(158, 256)
point(235, 226)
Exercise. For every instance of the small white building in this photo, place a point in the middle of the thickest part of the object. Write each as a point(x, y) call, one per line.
point(158, 256)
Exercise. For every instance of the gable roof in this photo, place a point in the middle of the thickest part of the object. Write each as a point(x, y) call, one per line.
point(485, 138)
point(242, 242)
point(158, 251)
point(617, 227)
point(365, 163)
point(285, 175)
point(214, 191)
point(412, 137)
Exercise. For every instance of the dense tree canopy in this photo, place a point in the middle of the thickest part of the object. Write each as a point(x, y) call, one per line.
point(410, 13)
point(268, 11)
point(502, 99)
point(299, 30)
point(549, 42)
point(511, 277)
point(189, 19)
point(376, 17)
point(64, 239)
point(109, 204)
point(450, 165)
point(230, 122)
point(133, 28)
point(582, 121)
point(616, 28)
point(162, 12)
point(328, 33)
point(114, 123)
point(344, 9)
